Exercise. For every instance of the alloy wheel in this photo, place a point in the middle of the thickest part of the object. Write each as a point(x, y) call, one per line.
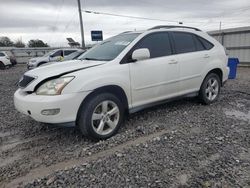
point(105, 117)
point(212, 89)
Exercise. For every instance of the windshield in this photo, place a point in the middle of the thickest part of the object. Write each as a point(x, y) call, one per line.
point(110, 48)
point(49, 53)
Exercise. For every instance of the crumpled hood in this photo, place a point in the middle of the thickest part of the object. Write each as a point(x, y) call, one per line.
point(57, 69)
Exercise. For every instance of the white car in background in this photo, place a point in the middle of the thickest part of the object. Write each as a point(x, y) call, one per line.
point(125, 73)
point(53, 56)
point(4, 60)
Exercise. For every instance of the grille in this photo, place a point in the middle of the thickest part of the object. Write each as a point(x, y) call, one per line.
point(25, 80)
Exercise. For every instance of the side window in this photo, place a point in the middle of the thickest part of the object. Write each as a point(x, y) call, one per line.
point(67, 52)
point(57, 53)
point(157, 43)
point(183, 42)
point(206, 44)
point(2, 54)
point(199, 46)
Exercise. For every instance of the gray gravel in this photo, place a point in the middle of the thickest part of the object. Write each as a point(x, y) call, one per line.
point(206, 146)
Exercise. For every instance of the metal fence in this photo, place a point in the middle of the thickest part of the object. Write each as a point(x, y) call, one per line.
point(236, 41)
point(24, 54)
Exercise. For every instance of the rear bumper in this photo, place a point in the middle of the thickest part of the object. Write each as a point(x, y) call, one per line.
point(33, 105)
point(225, 74)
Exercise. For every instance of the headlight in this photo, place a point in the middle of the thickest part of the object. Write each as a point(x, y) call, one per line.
point(54, 87)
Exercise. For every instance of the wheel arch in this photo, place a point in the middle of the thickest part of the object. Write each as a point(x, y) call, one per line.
point(113, 89)
point(2, 65)
point(217, 71)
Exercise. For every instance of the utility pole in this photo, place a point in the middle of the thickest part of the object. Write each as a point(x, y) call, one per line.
point(81, 24)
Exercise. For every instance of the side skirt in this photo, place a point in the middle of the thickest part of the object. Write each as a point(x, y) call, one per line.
point(139, 108)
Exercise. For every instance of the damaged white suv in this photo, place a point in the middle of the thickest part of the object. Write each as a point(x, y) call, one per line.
point(125, 73)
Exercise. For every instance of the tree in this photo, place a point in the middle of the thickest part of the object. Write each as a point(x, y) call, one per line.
point(6, 42)
point(19, 44)
point(37, 43)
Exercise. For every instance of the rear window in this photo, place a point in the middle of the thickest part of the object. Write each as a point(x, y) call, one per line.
point(183, 42)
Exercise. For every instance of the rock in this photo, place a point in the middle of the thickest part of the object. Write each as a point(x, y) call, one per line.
point(50, 180)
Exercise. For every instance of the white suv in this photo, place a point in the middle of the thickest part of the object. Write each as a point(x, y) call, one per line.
point(125, 73)
point(53, 56)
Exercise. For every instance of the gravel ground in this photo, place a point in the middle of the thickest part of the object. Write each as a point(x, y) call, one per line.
point(179, 144)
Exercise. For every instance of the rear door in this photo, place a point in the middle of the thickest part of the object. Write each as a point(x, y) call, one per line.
point(192, 57)
point(156, 78)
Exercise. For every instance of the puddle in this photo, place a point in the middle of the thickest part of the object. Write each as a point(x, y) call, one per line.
point(238, 115)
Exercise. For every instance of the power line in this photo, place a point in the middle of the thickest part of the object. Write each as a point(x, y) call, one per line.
point(155, 19)
point(127, 16)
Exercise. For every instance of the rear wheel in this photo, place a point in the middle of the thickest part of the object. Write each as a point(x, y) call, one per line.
point(210, 89)
point(2, 66)
point(101, 117)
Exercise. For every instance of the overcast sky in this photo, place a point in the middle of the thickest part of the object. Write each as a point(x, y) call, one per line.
point(55, 20)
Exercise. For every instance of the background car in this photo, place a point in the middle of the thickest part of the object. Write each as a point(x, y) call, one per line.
point(12, 57)
point(4, 60)
point(72, 56)
point(53, 56)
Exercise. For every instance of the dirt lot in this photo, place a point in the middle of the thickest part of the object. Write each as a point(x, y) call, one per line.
point(179, 144)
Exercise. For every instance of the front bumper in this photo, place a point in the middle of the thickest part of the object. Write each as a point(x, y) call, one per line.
point(33, 105)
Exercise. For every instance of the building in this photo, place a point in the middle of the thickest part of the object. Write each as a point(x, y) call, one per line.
point(236, 41)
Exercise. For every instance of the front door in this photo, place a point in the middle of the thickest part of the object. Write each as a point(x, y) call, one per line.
point(156, 78)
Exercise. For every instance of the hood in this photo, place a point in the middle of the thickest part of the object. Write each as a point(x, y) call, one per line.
point(58, 69)
point(37, 59)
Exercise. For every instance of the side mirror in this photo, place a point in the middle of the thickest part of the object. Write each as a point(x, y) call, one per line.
point(140, 54)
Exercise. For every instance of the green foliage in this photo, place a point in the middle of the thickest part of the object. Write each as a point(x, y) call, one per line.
point(6, 42)
point(19, 44)
point(37, 43)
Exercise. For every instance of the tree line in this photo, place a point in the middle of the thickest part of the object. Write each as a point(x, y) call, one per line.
point(7, 42)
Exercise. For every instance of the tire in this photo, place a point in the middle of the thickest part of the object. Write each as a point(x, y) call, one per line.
point(210, 89)
point(105, 123)
point(2, 66)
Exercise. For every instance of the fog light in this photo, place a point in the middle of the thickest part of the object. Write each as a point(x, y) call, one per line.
point(50, 112)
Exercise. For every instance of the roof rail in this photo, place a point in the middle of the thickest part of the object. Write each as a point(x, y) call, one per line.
point(173, 26)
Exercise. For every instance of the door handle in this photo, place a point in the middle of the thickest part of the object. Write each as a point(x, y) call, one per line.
point(206, 56)
point(172, 62)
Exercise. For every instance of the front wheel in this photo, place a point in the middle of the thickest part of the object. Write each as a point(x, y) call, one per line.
point(210, 89)
point(101, 116)
point(2, 66)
